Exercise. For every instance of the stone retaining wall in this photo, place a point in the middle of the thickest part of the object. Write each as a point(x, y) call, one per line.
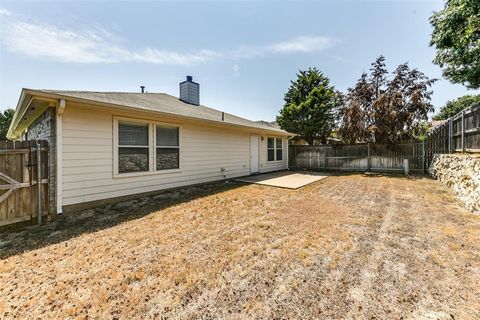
point(462, 174)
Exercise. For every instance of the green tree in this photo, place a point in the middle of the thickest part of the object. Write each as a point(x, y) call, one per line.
point(456, 36)
point(386, 109)
point(5, 120)
point(421, 132)
point(310, 106)
point(451, 108)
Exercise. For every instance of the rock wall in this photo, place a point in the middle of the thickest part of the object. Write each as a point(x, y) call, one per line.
point(462, 174)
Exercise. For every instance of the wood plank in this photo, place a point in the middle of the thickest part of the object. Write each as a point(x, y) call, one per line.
point(4, 204)
point(20, 202)
point(17, 175)
point(14, 220)
point(10, 171)
point(31, 190)
point(14, 151)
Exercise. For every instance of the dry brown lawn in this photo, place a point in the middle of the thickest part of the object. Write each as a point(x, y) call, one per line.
point(346, 247)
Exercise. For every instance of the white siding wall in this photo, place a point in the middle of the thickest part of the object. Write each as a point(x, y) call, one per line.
point(88, 156)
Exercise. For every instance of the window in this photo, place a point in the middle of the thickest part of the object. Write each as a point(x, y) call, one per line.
point(279, 149)
point(146, 147)
point(274, 149)
point(133, 147)
point(271, 149)
point(167, 148)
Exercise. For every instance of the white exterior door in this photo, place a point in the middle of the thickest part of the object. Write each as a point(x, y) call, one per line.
point(254, 144)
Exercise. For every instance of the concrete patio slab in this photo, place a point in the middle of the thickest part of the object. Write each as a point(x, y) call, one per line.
point(285, 179)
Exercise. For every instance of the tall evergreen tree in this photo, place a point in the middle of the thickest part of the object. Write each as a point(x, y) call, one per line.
point(310, 106)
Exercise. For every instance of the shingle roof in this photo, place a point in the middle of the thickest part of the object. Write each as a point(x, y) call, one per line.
point(164, 103)
point(271, 124)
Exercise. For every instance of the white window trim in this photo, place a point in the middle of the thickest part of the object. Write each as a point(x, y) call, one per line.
point(275, 149)
point(151, 146)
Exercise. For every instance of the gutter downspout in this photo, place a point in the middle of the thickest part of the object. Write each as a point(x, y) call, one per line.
point(59, 154)
point(38, 151)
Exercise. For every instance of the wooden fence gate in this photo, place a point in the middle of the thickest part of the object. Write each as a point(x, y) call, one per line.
point(22, 198)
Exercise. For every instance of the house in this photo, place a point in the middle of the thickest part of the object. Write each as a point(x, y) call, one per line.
point(109, 145)
point(436, 123)
point(297, 141)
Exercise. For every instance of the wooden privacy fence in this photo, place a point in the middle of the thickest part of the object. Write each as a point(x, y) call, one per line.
point(360, 157)
point(459, 133)
point(22, 198)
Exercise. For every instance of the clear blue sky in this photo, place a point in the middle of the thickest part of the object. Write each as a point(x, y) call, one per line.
point(243, 54)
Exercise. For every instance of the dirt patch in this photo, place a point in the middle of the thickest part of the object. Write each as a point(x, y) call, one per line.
point(349, 246)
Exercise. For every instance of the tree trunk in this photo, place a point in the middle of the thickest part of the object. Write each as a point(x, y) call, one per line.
point(381, 138)
point(309, 140)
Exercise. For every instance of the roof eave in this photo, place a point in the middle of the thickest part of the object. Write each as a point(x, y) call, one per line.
point(26, 99)
point(19, 112)
point(57, 96)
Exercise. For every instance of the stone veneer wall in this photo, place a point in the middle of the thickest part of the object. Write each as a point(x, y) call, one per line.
point(462, 174)
point(44, 128)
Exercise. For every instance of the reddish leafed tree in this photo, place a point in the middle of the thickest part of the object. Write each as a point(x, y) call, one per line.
point(385, 109)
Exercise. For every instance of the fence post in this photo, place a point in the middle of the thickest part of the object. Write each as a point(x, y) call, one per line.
point(368, 157)
point(463, 130)
point(26, 172)
point(406, 168)
point(325, 159)
point(450, 134)
point(39, 183)
point(423, 157)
